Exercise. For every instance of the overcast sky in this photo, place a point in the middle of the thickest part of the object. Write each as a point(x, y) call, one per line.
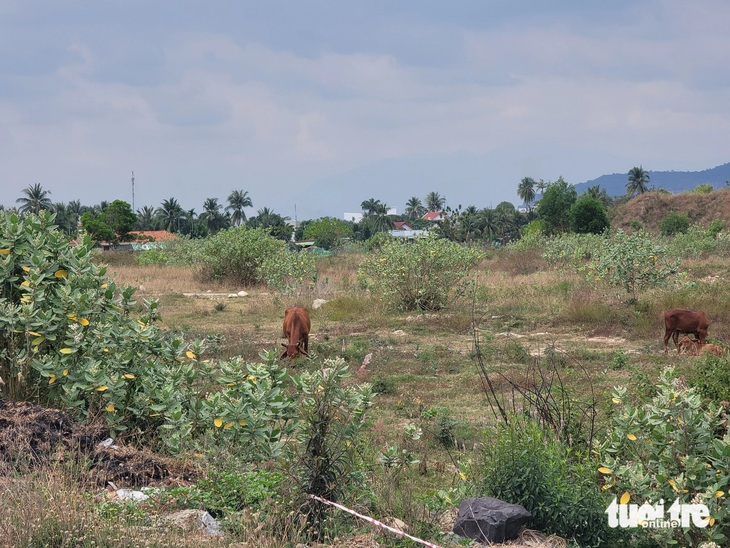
point(200, 98)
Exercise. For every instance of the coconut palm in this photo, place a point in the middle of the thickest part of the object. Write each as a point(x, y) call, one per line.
point(237, 200)
point(638, 181)
point(212, 217)
point(276, 224)
point(489, 224)
point(435, 202)
point(541, 185)
point(74, 210)
point(63, 221)
point(169, 214)
point(146, 218)
point(526, 191)
point(379, 220)
point(370, 206)
point(35, 200)
point(470, 223)
point(600, 194)
point(414, 209)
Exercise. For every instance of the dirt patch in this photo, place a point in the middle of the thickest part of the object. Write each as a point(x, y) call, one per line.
point(31, 435)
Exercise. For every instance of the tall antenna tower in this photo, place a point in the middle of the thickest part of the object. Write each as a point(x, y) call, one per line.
point(133, 191)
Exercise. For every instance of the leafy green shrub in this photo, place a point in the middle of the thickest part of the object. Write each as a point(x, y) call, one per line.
point(226, 491)
point(705, 188)
point(420, 275)
point(674, 223)
point(588, 216)
point(711, 377)
point(632, 261)
point(325, 461)
point(288, 270)
point(533, 237)
point(178, 251)
point(526, 465)
point(696, 241)
point(237, 254)
point(328, 232)
point(71, 338)
point(244, 405)
point(668, 449)
point(572, 250)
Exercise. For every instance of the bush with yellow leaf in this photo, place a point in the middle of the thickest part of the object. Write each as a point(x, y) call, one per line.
point(672, 447)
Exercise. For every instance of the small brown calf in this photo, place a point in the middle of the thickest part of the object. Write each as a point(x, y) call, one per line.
point(693, 347)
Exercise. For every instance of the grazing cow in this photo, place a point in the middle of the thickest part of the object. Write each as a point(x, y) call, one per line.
point(296, 329)
point(678, 321)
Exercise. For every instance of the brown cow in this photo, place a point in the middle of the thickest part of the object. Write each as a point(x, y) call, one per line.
point(296, 329)
point(678, 321)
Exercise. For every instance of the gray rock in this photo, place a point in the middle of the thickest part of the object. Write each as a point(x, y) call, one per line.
point(196, 520)
point(488, 519)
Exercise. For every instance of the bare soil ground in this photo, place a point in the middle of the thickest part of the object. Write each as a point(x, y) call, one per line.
point(34, 435)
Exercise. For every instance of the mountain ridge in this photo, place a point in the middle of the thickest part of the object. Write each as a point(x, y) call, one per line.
point(674, 181)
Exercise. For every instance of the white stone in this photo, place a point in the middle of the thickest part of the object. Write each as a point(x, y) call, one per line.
point(129, 494)
point(318, 303)
point(242, 294)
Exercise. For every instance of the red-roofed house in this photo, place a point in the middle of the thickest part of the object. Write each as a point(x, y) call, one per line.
point(401, 225)
point(432, 216)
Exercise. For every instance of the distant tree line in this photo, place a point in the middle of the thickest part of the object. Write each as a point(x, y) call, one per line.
point(551, 207)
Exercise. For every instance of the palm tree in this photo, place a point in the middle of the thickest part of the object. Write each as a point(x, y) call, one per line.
point(434, 201)
point(169, 214)
point(35, 199)
point(190, 215)
point(379, 220)
point(526, 191)
point(146, 218)
point(470, 223)
point(414, 209)
point(370, 206)
point(490, 224)
point(237, 200)
point(541, 185)
point(273, 222)
point(74, 210)
point(600, 194)
point(507, 220)
point(638, 181)
point(212, 218)
point(59, 208)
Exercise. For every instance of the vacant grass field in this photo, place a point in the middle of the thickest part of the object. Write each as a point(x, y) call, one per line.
point(425, 366)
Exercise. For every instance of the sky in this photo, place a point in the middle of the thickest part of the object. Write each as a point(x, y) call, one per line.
point(299, 102)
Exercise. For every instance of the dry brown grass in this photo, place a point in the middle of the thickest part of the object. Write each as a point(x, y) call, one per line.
point(46, 507)
point(651, 207)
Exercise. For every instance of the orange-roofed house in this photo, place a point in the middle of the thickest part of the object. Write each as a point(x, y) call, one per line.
point(432, 216)
point(153, 235)
point(150, 239)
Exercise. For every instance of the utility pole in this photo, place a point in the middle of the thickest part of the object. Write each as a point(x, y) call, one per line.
point(133, 191)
